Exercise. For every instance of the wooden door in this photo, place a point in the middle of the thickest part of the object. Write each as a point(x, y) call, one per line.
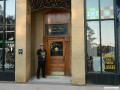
point(56, 56)
point(57, 30)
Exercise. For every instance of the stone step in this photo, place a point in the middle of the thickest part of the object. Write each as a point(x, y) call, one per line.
point(52, 80)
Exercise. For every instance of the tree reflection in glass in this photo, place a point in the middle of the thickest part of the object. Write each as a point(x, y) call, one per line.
point(93, 42)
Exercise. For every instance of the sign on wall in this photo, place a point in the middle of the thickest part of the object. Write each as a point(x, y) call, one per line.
point(56, 29)
point(20, 51)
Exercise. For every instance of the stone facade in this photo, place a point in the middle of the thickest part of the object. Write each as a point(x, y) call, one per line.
point(78, 46)
point(23, 41)
point(24, 36)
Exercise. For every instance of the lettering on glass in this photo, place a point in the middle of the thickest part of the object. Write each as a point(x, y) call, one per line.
point(109, 62)
point(56, 29)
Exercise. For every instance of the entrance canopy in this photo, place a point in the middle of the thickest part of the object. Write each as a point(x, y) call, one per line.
point(41, 4)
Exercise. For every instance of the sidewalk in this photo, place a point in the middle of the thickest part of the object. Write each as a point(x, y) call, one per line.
point(28, 86)
point(51, 83)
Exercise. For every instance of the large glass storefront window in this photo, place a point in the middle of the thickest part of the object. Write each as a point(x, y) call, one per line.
point(1, 49)
point(100, 36)
point(7, 35)
point(108, 46)
point(93, 43)
point(1, 12)
point(1, 34)
point(118, 27)
point(10, 35)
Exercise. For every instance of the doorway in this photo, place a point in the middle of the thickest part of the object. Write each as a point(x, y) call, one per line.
point(57, 42)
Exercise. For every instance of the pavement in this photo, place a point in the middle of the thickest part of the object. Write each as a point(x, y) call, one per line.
point(27, 86)
point(53, 83)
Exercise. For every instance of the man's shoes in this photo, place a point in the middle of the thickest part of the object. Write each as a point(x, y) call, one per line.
point(38, 77)
point(44, 77)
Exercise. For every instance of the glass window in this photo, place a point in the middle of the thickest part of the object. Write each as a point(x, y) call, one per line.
point(1, 39)
point(93, 43)
point(1, 12)
point(9, 51)
point(1, 49)
point(107, 10)
point(9, 38)
point(92, 9)
point(1, 28)
point(56, 48)
point(108, 46)
point(10, 28)
point(10, 11)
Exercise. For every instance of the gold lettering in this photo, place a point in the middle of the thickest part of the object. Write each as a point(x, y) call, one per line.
point(108, 55)
point(110, 67)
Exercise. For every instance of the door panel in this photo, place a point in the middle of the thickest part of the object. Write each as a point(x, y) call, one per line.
point(56, 49)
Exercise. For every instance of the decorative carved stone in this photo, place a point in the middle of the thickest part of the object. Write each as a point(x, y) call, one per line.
point(41, 4)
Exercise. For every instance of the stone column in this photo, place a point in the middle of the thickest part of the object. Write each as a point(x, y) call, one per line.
point(77, 42)
point(23, 41)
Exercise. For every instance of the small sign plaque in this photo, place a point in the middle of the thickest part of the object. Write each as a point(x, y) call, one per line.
point(56, 29)
point(20, 51)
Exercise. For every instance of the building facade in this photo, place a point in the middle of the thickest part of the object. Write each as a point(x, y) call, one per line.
point(81, 38)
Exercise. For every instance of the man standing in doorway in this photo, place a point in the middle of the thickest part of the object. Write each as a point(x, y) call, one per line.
point(41, 55)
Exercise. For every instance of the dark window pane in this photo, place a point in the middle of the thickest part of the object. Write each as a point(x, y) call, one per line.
point(10, 28)
point(93, 43)
point(1, 58)
point(10, 11)
point(1, 49)
point(108, 46)
point(1, 39)
point(9, 51)
point(92, 9)
point(107, 9)
point(56, 29)
point(1, 12)
point(56, 48)
point(1, 28)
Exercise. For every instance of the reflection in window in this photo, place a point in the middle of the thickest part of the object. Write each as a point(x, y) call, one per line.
point(108, 46)
point(107, 10)
point(9, 37)
point(1, 49)
point(93, 42)
point(10, 28)
point(92, 9)
point(1, 12)
point(1, 27)
point(56, 48)
point(10, 11)
point(9, 50)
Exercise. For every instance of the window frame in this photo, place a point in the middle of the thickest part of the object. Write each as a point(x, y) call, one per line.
point(115, 35)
